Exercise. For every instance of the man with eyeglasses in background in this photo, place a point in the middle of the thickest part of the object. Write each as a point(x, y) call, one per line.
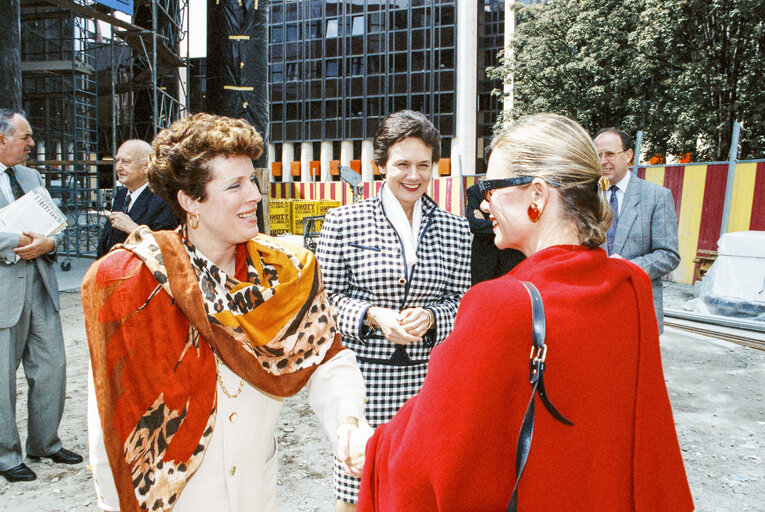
point(644, 230)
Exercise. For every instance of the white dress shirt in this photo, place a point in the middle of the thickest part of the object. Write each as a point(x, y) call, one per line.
point(134, 195)
point(5, 183)
point(621, 190)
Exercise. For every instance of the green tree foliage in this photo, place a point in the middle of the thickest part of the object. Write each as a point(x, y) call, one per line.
point(681, 70)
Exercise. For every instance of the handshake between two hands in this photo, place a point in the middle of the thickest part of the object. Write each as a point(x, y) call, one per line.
point(352, 437)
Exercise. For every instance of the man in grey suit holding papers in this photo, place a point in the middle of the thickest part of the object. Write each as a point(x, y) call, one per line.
point(644, 230)
point(30, 328)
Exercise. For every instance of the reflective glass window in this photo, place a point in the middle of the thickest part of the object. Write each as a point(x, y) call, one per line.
point(420, 61)
point(293, 32)
point(293, 71)
point(331, 109)
point(418, 82)
point(374, 64)
point(418, 39)
point(402, 41)
point(277, 72)
point(357, 66)
point(375, 22)
point(277, 111)
point(292, 12)
point(357, 27)
point(446, 35)
point(315, 8)
point(399, 103)
point(315, 49)
point(332, 27)
point(399, 19)
point(357, 107)
point(357, 45)
point(445, 15)
point(421, 17)
point(331, 88)
point(314, 28)
point(314, 69)
point(277, 15)
point(315, 110)
point(446, 59)
point(332, 68)
point(375, 43)
point(292, 51)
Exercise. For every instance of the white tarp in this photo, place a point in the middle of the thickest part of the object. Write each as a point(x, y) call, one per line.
point(735, 283)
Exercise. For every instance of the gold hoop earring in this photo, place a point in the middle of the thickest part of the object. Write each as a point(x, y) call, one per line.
point(194, 220)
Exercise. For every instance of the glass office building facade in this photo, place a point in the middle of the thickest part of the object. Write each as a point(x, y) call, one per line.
point(336, 68)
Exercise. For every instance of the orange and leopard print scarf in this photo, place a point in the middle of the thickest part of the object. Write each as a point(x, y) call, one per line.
point(156, 317)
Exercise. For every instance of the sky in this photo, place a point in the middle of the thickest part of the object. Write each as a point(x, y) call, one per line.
point(197, 27)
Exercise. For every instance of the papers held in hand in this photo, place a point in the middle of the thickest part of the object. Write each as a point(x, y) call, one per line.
point(33, 212)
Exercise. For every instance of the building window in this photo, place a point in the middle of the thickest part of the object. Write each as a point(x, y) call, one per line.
point(357, 66)
point(277, 72)
point(277, 34)
point(332, 28)
point(293, 32)
point(292, 12)
point(421, 17)
point(315, 9)
point(374, 64)
point(375, 22)
point(277, 14)
point(332, 68)
point(293, 71)
point(314, 29)
point(314, 69)
point(357, 28)
point(331, 109)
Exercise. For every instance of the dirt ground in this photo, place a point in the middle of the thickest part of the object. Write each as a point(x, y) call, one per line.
point(716, 390)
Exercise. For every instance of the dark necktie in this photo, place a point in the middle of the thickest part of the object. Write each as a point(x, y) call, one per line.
point(15, 187)
point(126, 204)
point(612, 230)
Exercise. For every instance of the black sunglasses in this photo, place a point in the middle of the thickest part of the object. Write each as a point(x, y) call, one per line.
point(487, 186)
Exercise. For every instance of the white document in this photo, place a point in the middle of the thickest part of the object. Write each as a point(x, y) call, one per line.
point(35, 212)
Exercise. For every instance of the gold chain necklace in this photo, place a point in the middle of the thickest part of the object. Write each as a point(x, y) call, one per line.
point(223, 386)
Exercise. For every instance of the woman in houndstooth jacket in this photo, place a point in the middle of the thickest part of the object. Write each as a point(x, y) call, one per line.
point(395, 267)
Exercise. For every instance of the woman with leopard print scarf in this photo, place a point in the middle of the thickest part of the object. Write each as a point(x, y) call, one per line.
point(197, 335)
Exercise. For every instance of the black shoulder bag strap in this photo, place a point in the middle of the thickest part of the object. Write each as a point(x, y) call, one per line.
point(536, 378)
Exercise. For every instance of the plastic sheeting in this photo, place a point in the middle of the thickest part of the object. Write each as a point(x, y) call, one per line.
point(237, 63)
point(735, 283)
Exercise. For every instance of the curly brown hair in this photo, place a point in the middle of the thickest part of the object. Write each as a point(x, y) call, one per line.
point(181, 152)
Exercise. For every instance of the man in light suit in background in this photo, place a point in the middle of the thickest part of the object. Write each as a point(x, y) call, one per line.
point(644, 230)
point(30, 328)
point(134, 203)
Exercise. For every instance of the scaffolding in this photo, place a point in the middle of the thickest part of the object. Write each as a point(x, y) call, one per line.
point(59, 95)
point(85, 93)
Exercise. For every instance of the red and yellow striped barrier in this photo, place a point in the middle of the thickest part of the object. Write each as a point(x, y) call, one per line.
point(699, 193)
point(698, 190)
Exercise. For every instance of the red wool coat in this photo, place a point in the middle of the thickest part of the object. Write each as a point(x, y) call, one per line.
point(452, 447)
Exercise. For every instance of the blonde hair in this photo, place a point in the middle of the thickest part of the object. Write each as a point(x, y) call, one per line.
point(181, 152)
point(560, 151)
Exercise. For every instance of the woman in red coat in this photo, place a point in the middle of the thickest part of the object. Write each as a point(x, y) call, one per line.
point(453, 446)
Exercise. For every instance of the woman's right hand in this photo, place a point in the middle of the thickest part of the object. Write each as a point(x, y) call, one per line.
point(387, 320)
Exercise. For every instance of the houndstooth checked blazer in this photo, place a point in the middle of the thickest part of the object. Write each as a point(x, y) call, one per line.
point(363, 265)
point(646, 234)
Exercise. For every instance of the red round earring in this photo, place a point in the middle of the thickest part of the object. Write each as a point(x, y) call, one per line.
point(533, 212)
